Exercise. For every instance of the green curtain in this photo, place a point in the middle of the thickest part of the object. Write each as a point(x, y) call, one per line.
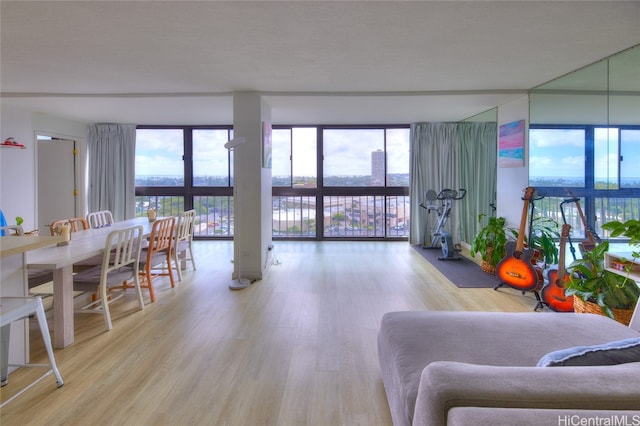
point(477, 148)
point(452, 156)
point(433, 153)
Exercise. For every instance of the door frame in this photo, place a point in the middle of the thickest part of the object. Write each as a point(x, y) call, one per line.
point(80, 164)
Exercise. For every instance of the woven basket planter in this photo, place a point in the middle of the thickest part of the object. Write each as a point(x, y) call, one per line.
point(621, 315)
point(488, 267)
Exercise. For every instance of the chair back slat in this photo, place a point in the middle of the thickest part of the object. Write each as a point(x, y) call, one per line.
point(100, 219)
point(122, 248)
point(184, 227)
point(161, 237)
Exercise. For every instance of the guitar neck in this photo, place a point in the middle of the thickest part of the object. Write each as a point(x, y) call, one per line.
point(563, 250)
point(523, 219)
point(591, 238)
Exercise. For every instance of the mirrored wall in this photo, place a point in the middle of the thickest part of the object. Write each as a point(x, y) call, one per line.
point(584, 143)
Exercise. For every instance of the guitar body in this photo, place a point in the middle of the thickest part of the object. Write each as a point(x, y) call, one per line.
point(517, 271)
point(553, 293)
point(517, 268)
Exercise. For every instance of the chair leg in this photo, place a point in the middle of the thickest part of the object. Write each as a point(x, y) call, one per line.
point(44, 330)
point(105, 308)
point(148, 284)
point(176, 259)
point(191, 258)
point(136, 284)
point(173, 284)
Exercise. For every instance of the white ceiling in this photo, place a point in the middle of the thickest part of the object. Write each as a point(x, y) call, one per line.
point(316, 62)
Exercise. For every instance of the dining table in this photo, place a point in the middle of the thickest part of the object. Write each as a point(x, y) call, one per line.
point(83, 245)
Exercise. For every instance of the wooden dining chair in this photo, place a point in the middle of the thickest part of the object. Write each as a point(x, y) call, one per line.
point(120, 264)
point(181, 251)
point(155, 259)
point(100, 219)
point(77, 224)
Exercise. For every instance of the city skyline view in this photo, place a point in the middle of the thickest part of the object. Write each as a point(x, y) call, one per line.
point(347, 152)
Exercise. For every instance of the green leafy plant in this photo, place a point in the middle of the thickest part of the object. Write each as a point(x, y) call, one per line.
point(591, 282)
point(544, 233)
point(491, 239)
point(19, 220)
point(629, 229)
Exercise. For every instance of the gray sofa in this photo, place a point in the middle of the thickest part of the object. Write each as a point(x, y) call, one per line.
point(479, 368)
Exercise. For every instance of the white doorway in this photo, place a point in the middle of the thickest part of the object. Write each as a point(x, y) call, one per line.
point(57, 171)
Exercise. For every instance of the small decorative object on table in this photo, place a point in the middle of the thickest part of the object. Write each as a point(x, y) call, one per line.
point(64, 231)
point(152, 215)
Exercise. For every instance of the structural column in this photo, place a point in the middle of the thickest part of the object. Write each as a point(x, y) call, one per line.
point(252, 201)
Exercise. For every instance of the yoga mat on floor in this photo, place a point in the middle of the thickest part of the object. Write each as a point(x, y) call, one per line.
point(464, 273)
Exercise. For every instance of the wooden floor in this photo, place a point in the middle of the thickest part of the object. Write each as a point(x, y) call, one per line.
point(297, 348)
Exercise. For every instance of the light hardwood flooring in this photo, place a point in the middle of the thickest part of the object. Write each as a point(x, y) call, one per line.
point(297, 348)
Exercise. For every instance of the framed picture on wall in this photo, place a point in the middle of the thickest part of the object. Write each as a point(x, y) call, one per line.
point(266, 145)
point(511, 144)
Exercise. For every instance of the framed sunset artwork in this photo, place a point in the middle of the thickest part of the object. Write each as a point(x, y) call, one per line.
point(511, 145)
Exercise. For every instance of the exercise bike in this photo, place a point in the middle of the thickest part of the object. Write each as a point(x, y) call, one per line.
point(440, 238)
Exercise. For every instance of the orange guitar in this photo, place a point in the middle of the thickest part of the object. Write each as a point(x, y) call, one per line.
point(553, 293)
point(516, 269)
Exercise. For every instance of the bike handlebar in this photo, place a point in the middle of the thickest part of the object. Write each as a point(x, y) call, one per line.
point(452, 194)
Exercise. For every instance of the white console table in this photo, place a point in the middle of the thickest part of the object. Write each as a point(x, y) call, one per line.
point(613, 262)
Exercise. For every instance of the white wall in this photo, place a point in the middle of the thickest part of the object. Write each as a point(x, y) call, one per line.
point(513, 181)
point(18, 173)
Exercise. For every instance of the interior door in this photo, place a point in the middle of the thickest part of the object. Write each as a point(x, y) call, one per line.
point(56, 182)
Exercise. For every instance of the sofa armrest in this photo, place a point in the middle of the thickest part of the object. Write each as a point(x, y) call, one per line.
point(447, 384)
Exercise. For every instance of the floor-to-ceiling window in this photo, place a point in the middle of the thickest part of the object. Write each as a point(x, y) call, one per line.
point(328, 181)
point(588, 172)
point(340, 182)
point(182, 168)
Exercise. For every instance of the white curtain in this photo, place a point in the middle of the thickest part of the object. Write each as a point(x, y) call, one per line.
point(112, 149)
point(434, 166)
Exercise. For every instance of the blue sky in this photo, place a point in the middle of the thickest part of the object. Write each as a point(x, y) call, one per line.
point(553, 152)
point(560, 153)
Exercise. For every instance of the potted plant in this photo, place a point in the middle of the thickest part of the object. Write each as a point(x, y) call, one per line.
point(598, 290)
point(490, 241)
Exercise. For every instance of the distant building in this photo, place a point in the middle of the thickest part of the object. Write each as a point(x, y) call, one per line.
point(377, 168)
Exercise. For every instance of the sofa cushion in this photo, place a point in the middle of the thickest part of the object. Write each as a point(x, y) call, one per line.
point(616, 352)
point(490, 416)
point(409, 341)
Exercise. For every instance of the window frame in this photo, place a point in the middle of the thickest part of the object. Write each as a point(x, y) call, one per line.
point(589, 192)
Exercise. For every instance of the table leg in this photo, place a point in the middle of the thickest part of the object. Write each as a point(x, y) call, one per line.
point(63, 307)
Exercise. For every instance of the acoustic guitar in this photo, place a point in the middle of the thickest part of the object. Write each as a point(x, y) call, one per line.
point(516, 268)
point(553, 292)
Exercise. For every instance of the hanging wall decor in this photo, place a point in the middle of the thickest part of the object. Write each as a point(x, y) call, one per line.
point(511, 145)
